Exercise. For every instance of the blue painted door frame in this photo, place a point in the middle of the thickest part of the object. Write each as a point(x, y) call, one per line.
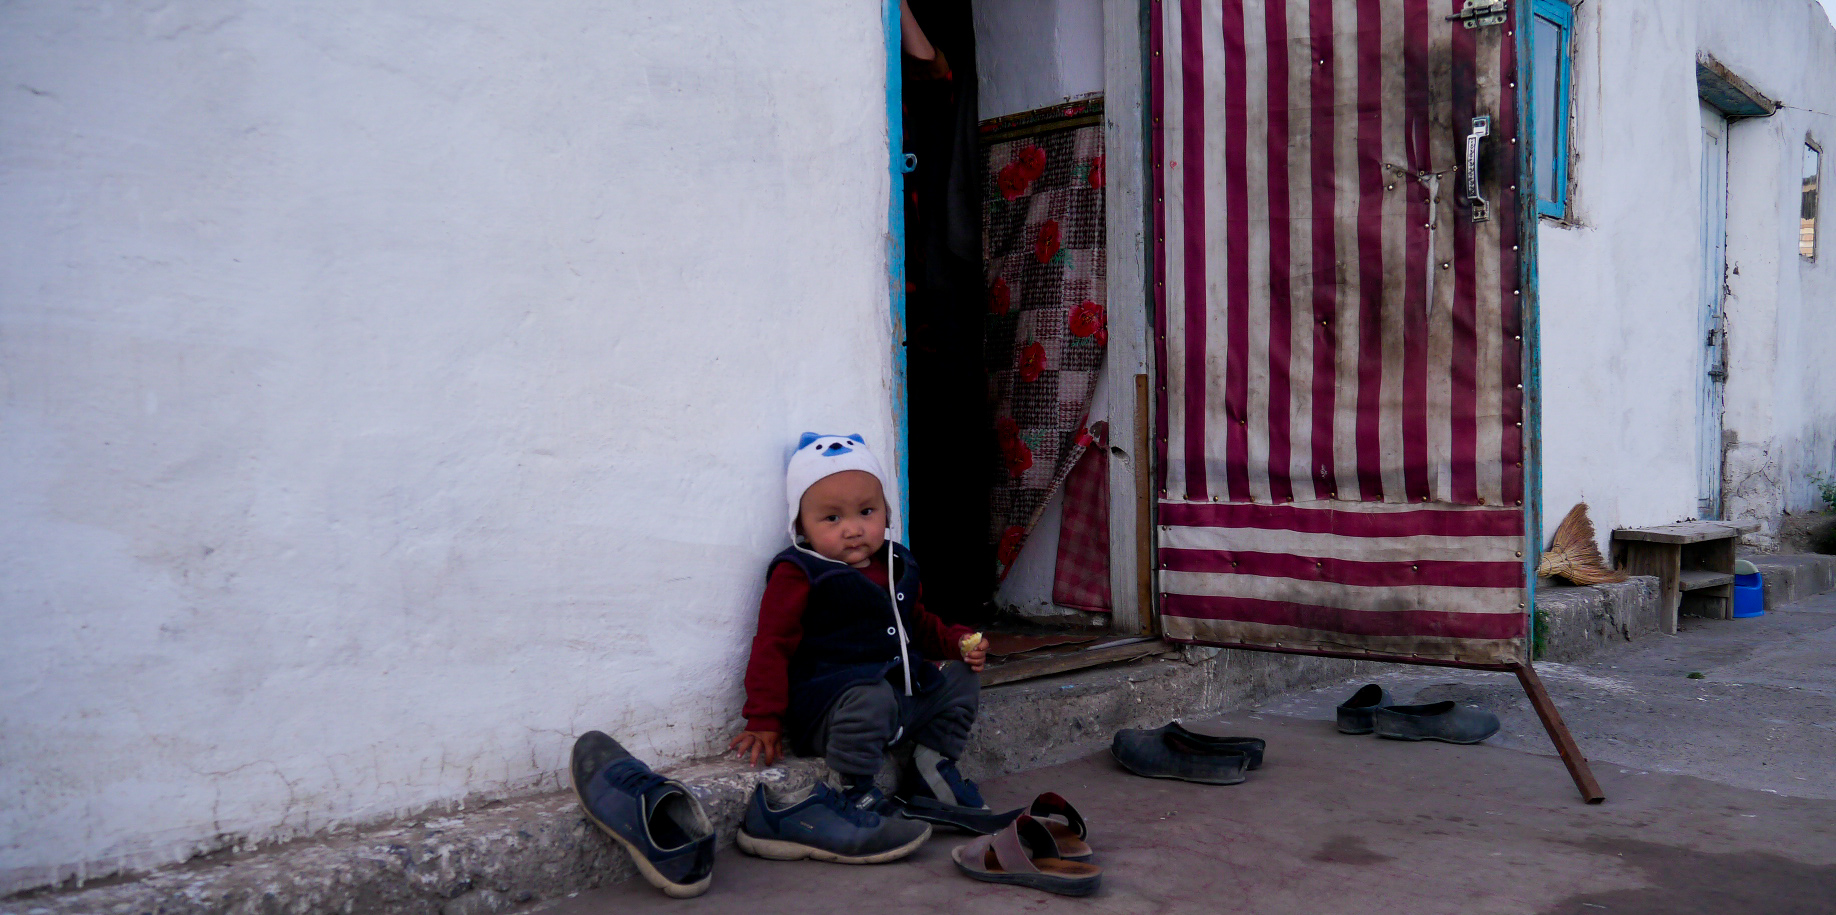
point(895, 255)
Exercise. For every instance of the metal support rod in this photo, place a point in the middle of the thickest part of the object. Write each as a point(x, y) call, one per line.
point(1526, 677)
point(1558, 735)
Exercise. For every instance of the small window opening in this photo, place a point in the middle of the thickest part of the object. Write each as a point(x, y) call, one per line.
point(1551, 24)
point(1807, 212)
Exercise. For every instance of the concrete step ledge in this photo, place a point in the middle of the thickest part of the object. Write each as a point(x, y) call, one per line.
point(487, 859)
point(1573, 621)
point(1792, 577)
point(503, 855)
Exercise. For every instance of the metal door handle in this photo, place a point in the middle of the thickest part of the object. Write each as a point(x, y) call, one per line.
point(1482, 127)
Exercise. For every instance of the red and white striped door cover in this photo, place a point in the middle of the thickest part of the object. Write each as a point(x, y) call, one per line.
point(1339, 412)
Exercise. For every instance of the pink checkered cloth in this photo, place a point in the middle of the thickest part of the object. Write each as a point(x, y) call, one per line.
point(1046, 329)
point(1081, 580)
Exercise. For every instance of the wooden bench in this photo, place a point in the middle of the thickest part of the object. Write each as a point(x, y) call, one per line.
point(1693, 562)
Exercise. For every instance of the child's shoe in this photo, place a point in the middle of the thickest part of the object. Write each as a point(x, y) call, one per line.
point(939, 780)
point(658, 821)
point(819, 823)
point(938, 793)
point(865, 795)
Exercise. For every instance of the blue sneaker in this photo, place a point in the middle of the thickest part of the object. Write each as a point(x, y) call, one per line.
point(819, 823)
point(657, 820)
point(937, 793)
point(868, 796)
point(939, 780)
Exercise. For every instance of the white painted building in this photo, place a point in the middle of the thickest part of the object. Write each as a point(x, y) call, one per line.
point(389, 392)
point(1623, 275)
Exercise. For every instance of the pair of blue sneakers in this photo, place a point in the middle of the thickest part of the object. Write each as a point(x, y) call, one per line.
point(670, 839)
point(859, 824)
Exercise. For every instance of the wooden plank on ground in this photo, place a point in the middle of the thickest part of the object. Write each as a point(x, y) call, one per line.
point(1030, 668)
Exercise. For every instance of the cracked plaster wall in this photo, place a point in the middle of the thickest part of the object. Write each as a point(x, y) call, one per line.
point(1618, 281)
point(390, 392)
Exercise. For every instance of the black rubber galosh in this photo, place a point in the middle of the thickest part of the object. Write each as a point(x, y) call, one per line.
point(1149, 754)
point(1445, 721)
point(1179, 737)
point(1357, 715)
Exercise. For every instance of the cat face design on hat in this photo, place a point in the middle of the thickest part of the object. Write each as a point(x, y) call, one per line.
point(829, 445)
point(820, 456)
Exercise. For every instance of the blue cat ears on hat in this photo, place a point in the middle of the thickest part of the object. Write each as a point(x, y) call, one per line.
point(834, 446)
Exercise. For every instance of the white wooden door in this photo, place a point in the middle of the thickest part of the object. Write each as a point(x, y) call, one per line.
point(1713, 326)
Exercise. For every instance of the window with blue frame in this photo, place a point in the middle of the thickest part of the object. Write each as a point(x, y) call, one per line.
point(1552, 25)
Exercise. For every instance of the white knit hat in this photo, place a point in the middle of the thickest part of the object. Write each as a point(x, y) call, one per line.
point(818, 456)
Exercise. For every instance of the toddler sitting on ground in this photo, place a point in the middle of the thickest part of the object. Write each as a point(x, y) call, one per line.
point(847, 662)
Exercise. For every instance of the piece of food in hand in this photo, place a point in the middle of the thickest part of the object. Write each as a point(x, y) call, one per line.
point(969, 643)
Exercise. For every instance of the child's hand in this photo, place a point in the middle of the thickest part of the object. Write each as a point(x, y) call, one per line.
point(760, 744)
point(977, 657)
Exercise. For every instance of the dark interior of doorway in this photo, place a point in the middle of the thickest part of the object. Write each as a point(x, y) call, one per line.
point(953, 449)
point(950, 430)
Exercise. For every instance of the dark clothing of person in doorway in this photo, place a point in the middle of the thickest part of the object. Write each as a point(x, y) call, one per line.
point(952, 436)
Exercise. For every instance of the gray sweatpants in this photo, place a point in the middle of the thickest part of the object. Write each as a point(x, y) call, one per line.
point(861, 724)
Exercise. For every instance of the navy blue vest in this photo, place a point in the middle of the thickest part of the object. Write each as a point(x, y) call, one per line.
point(849, 636)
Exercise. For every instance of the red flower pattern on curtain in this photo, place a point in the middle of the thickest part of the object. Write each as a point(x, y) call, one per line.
point(1046, 325)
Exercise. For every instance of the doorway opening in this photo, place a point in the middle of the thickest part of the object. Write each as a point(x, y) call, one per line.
point(1022, 325)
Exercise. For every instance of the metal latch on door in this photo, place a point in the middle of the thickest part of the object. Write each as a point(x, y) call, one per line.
point(1717, 343)
point(1477, 13)
point(1482, 127)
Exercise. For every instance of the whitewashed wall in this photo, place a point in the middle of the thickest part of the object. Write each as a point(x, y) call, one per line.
point(1619, 295)
point(1780, 414)
point(1033, 53)
point(389, 392)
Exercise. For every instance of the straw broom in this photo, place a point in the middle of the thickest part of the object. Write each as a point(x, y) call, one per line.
point(1573, 555)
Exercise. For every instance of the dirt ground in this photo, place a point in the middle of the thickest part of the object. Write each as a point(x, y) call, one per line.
point(1721, 798)
point(1805, 532)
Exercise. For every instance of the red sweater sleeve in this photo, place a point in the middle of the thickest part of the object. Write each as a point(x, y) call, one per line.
point(787, 592)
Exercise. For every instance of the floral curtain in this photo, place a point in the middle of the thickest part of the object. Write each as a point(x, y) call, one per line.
point(1047, 323)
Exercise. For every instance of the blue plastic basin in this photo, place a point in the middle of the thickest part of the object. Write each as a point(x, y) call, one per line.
point(1749, 596)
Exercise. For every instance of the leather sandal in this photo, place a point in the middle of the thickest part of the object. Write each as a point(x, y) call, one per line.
point(1065, 824)
point(1025, 854)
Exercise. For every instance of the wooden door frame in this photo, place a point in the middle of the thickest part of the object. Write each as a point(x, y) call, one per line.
point(1126, 367)
point(1711, 317)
